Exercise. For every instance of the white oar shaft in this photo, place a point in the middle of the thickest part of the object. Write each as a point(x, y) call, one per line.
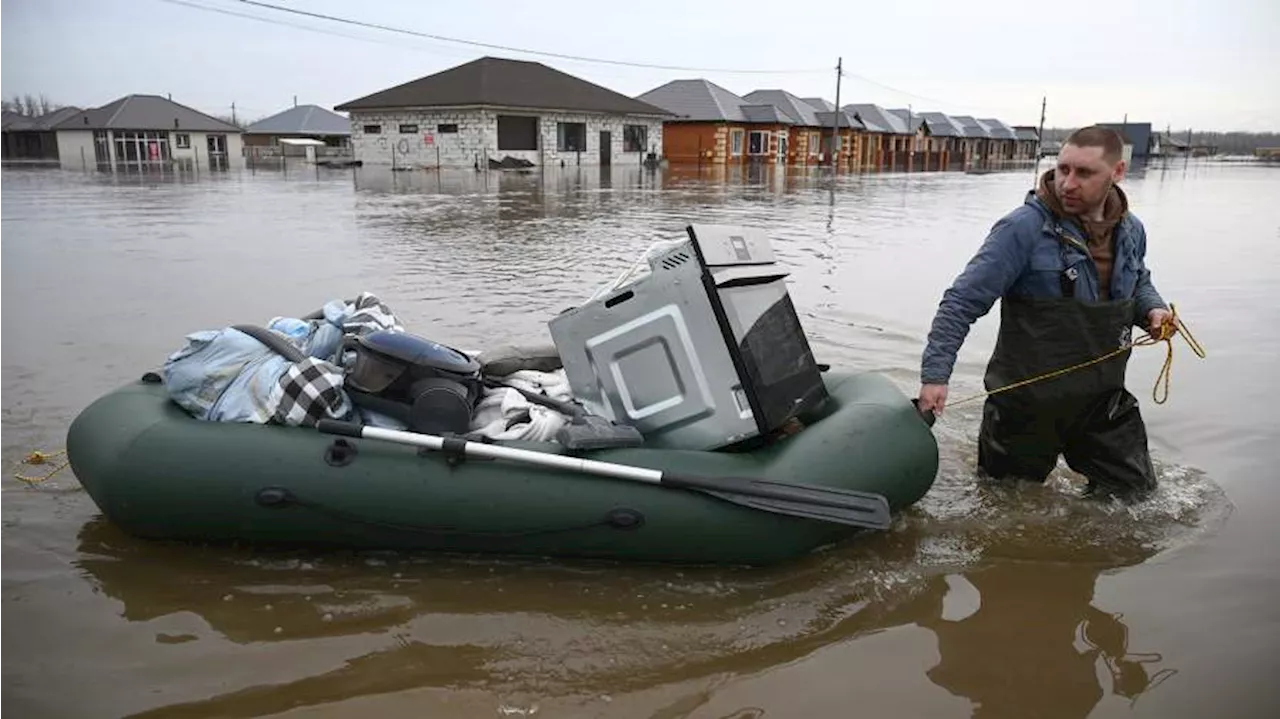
point(479, 449)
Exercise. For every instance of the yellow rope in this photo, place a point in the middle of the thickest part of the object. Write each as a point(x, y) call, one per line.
point(1167, 330)
point(38, 457)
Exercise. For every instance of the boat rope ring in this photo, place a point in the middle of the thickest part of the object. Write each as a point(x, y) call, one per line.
point(275, 497)
point(624, 518)
point(340, 453)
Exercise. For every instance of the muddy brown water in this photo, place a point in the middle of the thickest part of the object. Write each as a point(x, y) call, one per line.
point(981, 601)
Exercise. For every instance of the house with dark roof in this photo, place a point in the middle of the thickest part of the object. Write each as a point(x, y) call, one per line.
point(300, 122)
point(1028, 142)
point(1138, 136)
point(709, 124)
point(944, 137)
point(1003, 143)
point(30, 139)
point(147, 133)
point(804, 145)
point(974, 140)
point(889, 141)
point(494, 109)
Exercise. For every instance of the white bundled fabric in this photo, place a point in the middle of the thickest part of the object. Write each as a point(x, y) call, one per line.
point(505, 414)
point(639, 268)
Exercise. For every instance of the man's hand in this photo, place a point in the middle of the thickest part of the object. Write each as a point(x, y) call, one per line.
point(1156, 321)
point(933, 397)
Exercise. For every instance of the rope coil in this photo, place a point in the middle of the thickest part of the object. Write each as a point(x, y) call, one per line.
point(38, 457)
point(1174, 326)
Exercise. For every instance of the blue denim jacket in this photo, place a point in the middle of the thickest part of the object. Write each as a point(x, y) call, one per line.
point(1025, 255)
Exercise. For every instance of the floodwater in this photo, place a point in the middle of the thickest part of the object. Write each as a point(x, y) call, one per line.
point(981, 601)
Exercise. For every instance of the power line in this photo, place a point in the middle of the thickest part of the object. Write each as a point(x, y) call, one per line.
point(508, 48)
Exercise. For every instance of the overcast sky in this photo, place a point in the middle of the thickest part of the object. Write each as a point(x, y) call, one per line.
point(1205, 65)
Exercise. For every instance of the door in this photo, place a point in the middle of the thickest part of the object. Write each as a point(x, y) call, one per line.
point(782, 147)
point(217, 145)
point(606, 147)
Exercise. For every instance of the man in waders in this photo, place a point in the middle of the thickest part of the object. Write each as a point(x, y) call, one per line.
point(1069, 268)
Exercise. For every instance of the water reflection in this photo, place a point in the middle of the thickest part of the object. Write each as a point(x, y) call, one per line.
point(1013, 637)
point(1034, 643)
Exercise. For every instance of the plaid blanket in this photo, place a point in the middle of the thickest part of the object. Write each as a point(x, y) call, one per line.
point(307, 392)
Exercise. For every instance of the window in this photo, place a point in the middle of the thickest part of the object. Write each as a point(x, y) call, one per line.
point(448, 128)
point(571, 136)
point(735, 142)
point(758, 142)
point(517, 132)
point(182, 140)
point(815, 143)
point(373, 129)
point(408, 129)
point(634, 138)
point(142, 147)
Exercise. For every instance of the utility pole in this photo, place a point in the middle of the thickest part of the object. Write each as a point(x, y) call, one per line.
point(295, 100)
point(835, 123)
point(233, 113)
point(1035, 167)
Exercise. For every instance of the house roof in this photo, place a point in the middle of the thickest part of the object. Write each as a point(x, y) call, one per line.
point(144, 112)
point(998, 129)
point(13, 122)
point(1025, 132)
point(819, 104)
point(970, 127)
point(941, 124)
point(500, 82)
point(877, 119)
point(800, 112)
point(766, 113)
point(302, 120)
point(697, 100)
point(908, 117)
point(827, 119)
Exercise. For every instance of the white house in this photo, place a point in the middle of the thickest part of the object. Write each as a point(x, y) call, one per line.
point(147, 133)
point(492, 109)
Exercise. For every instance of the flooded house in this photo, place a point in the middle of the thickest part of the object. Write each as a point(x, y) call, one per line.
point(504, 112)
point(302, 130)
point(1027, 146)
point(804, 142)
point(888, 138)
point(147, 133)
point(30, 139)
point(1003, 144)
point(943, 139)
point(711, 125)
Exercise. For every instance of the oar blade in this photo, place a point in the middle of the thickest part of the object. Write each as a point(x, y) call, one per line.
point(811, 501)
point(872, 515)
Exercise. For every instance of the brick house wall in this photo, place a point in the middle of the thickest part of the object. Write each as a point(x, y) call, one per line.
point(469, 137)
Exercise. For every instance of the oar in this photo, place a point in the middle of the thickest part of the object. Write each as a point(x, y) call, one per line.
point(829, 504)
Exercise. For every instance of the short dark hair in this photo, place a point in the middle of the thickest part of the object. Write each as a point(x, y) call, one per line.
point(1109, 140)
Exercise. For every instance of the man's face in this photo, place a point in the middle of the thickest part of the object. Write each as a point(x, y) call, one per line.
point(1084, 177)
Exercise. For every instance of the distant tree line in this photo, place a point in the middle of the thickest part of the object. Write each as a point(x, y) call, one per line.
point(1228, 143)
point(29, 105)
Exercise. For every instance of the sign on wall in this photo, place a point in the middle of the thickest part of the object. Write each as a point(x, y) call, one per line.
point(428, 139)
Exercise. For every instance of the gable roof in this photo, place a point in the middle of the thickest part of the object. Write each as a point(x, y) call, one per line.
point(499, 82)
point(800, 112)
point(1026, 132)
point(13, 122)
point(998, 129)
point(877, 119)
point(697, 100)
point(302, 120)
point(970, 127)
point(911, 119)
point(144, 112)
point(941, 124)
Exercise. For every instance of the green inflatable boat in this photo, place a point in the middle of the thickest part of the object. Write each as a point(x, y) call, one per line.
point(157, 472)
